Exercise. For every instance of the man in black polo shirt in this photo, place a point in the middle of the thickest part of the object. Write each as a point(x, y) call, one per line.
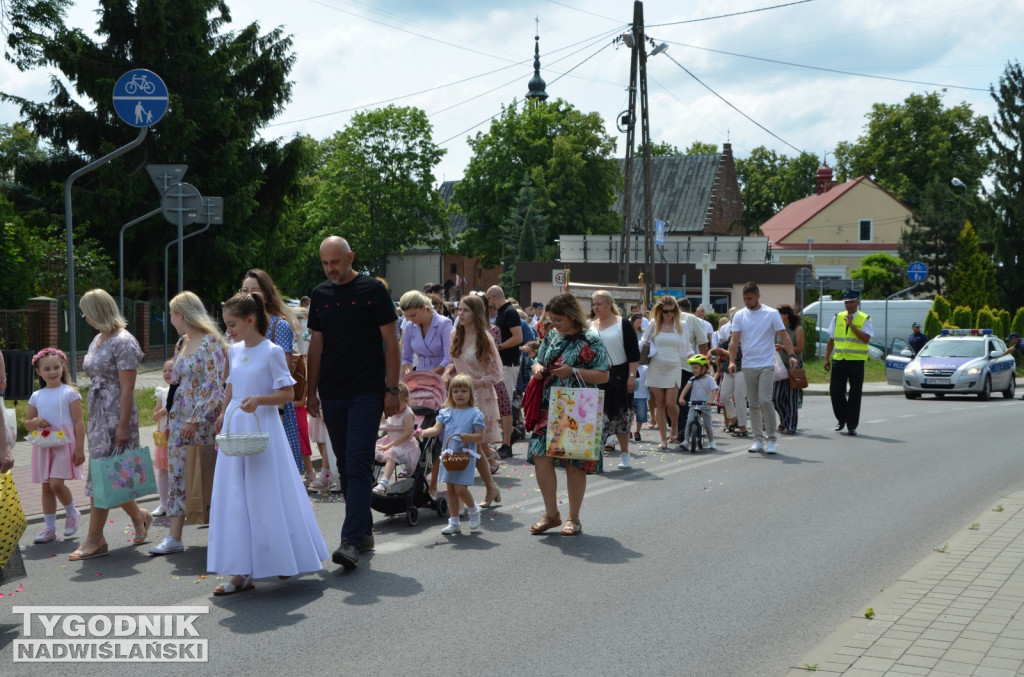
point(354, 360)
point(508, 321)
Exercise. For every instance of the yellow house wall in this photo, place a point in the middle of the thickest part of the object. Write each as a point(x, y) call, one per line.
point(839, 223)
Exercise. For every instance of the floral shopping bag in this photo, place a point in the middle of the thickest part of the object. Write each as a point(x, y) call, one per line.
point(121, 478)
point(575, 423)
point(12, 518)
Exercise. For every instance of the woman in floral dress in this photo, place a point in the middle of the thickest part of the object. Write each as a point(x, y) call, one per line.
point(570, 353)
point(111, 363)
point(200, 368)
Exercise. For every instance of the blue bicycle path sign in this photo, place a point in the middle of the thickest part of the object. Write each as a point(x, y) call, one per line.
point(140, 98)
point(917, 271)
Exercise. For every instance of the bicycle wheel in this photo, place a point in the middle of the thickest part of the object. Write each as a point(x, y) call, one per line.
point(695, 435)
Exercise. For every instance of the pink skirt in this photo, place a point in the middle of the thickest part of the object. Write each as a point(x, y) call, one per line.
point(55, 462)
point(160, 458)
point(407, 453)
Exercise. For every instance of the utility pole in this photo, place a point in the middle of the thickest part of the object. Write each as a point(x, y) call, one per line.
point(635, 39)
point(627, 123)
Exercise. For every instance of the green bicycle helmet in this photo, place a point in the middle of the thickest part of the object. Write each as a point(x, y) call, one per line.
point(698, 359)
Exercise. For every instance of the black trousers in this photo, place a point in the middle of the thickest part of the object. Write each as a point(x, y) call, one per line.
point(845, 406)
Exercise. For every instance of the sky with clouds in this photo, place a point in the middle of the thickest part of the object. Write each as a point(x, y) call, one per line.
point(807, 72)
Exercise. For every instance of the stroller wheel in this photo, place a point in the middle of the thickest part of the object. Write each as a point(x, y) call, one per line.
point(442, 507)
point(412, 516)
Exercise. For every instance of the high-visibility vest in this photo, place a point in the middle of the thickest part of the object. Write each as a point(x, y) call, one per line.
point(846, 344)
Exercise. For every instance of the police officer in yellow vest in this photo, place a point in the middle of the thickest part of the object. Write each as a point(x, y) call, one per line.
point(847, 346)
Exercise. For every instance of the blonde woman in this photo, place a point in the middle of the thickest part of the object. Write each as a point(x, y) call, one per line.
point(200, 368)
point(111, 363)
point(426, 339)
point(667, 338)
point(475, 354)
point(620, 341)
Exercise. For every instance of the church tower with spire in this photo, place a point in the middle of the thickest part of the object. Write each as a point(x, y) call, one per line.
point(537, 85)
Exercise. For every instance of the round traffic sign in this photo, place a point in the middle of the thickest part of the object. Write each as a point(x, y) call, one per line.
point(140, 98)
point(917, 271)
point(181, 204)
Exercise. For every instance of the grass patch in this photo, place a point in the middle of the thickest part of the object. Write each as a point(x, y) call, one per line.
point(873, 371)
point(145, 401)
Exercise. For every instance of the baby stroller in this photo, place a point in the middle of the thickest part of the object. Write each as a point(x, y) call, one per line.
point(408, 494)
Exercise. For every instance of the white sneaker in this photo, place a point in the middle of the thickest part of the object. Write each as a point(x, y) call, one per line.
point(756, 447)
point(380, 489)
point(713, 446)
point(159, 512)
point(474, 520)
point(624, 462)
point(46, 535)
point(684, 446)
point(452, 529)
point(167, 546)
point(770, 449)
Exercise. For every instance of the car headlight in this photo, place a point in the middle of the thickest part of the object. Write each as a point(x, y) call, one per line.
point(909, 371)
point(973, 371)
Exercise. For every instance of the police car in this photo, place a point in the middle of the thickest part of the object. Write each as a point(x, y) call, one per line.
point(957, 362)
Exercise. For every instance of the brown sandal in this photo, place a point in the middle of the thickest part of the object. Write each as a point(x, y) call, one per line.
point(572, 527)
point(546, 523)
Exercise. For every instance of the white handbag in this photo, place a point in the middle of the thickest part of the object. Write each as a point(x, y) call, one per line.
point(46, 438)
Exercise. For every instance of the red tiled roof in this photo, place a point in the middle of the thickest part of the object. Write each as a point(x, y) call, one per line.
point(796, 214)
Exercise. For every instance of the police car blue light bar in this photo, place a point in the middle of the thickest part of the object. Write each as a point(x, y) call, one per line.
point(966, 332)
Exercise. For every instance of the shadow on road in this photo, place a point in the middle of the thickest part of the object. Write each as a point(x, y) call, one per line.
point(272, 605)
point(593, 549)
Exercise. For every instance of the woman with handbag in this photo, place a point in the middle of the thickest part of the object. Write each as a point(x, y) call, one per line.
point(200, 368)
point(111, 363)
point(570, 355)
point(620, 341)
point(283, 325)
point(784, 397)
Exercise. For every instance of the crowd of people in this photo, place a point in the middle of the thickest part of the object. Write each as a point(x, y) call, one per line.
point(329, 373)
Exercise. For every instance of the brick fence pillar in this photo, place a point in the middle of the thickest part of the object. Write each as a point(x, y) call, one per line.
point(47, 311)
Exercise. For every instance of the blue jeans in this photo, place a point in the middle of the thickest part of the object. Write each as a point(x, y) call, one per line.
point(352, 425)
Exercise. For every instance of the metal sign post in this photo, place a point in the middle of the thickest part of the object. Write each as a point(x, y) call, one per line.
point(181, 204)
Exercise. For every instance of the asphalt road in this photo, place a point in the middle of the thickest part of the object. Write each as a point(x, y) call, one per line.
point(722, 564)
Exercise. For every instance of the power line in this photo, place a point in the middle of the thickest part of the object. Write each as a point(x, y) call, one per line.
point(731, 14)
point(584, 11)
point(728, 103)
point(827, 70)
point(590, 41)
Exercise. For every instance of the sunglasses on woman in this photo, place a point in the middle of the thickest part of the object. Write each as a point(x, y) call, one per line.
point(669, 311)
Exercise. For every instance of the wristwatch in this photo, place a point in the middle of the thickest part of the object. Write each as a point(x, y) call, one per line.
point(391, 391)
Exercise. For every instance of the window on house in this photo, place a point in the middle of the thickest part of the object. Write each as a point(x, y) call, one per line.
point(864, 234)
point(454, 268)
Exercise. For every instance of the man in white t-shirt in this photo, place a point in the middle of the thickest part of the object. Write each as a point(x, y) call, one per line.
point(757, 328)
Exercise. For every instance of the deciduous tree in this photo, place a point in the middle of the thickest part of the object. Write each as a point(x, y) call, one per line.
point(883, 274)
point(770, 181)
point(377, 186)
point(565, 154)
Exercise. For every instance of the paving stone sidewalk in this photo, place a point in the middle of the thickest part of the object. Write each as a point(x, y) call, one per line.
point(958, 612)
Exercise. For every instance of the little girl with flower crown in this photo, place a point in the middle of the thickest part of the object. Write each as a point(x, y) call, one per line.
point(55, 412)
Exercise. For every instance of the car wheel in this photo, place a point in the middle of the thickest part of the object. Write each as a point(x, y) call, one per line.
point(986, 390)
point(910, 395)
point(1011, 389)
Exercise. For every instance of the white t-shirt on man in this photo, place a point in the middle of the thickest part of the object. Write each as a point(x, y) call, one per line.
point(757, 329)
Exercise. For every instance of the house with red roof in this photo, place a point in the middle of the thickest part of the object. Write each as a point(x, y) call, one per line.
point(834, 229)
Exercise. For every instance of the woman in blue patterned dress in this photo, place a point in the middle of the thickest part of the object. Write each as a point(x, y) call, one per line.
point(283, 325)
point(568, 355)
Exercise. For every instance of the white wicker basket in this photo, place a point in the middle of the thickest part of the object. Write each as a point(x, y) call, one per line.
point(242, 444)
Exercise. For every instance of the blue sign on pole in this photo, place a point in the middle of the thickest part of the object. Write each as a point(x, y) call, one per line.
point(917, 271)
point(659, 232)
point(140, 98)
